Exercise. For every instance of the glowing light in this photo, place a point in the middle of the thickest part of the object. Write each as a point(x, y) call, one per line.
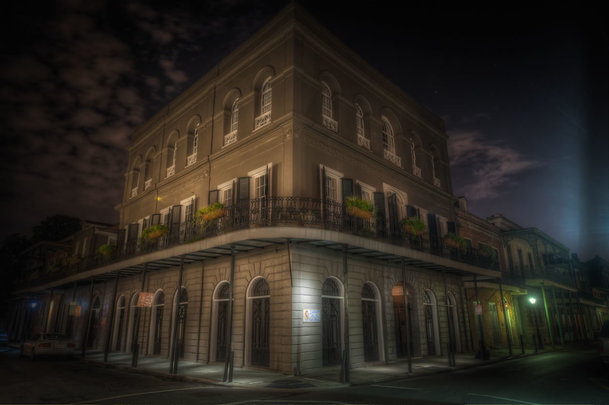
point(532, 300)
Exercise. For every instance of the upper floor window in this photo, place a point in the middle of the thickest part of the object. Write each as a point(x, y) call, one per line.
point(225, 193)
point(193, 142)
point(135, 179)
point(260, 181)
point(326, 108)
point(147, 174)
point(331, 184)
point(416, 170)
point(359, 127)
point(231, 136)
point(389, 143)
point(171, 159)
point(266, 102)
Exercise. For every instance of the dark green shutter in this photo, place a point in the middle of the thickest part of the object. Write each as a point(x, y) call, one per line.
point(451, 227)
point(394, 220)
point(213, 197)
point(379, 205)
point(347, 188)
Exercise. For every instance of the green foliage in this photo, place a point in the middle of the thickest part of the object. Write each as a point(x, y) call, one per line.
point(209, 213)
point(209, 209)
point(454, 240)
point(363, 205)
point(106, 251)
point(153, 232)
point(413, 226)
point(488, 251)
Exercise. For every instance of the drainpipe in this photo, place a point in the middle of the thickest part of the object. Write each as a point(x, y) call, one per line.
point(112, 315)
point(200, 311)
point(505, 320)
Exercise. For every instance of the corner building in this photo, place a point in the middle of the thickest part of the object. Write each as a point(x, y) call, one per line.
point(284, 132)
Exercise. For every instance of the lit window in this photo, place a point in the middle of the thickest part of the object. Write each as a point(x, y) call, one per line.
point(260, 186)
point(388, 138)
point(225, 193)
point(234, 117)
point(266, 97)
point(326, 100)
point(359, 128)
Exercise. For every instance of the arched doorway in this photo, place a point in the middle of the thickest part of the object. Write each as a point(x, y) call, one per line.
point(156, 321)
point(220, 326)
point(134, 311)
point(431, 322)
point(182, 303)
point(259, 300)
point(331, 322)
point(403, 332)
point(453, 320)
point(370, 327)
point(119, 320)
point(94, 321)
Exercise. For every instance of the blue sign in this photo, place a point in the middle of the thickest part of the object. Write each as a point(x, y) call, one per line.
point(310, 315)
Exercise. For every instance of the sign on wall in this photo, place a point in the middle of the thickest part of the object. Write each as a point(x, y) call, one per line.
point(145, 299)
point(310, 315)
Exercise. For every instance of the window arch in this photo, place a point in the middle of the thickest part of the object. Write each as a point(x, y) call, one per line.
point(266, 104)
point(431, 323)
point(360, 127)
point(258, 323)
point(192, 146)
point(332, 322)
point(172, 150)
point(180, 300)
point(231, 136)
point(219, 324)
point(156, 321)
point(388, 136)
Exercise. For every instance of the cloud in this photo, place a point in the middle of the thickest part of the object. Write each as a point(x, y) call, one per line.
point(485, 168)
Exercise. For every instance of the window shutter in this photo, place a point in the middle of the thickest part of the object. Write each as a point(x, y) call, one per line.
point(174, 223)
point(322, 183)
point(379, 204)
point(451, 227)
point(213, 196)
point(156, 219)
point(132, 232)
point(411, 211)
point(243, 189)
point(433, 230)
point(268, 182)
point(347, 186)
point(188, 212)
point(394, 220)
point(145, 223)
point(358, 190)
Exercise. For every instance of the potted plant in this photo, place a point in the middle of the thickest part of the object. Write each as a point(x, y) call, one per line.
point(453, 240)
point(106, 251)
point(153, 232)
point(356, 207)
point(210, 213)
point(414, 226)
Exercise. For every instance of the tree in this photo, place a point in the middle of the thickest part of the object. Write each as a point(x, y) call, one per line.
point(56, 227)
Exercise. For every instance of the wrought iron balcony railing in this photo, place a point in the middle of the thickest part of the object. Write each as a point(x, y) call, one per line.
point(284, 211)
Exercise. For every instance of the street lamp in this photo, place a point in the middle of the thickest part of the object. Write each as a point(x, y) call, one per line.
point(533, 300)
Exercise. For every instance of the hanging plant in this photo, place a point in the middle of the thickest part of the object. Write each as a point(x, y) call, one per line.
point(453, 240)
point(153, 232)
point(356, 207)
point(413, 226)
point(106, 251)
point(488, 251)
point(210, 213)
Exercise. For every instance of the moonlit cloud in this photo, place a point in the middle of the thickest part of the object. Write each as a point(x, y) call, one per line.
point(491, 166)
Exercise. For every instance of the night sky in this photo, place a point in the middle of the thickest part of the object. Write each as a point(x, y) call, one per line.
point(524, 94)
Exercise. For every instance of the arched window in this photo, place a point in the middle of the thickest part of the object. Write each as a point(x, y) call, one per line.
point(135, 179)
point(134, 312)
point(231, 136)
point(370, 325)
point(266, 103)
point(388, 138)
point(359, 128)
point(326, 100)
point(331, 322)
point(431, 322)
point(193, 144)
point(119, 320)
point(182, 303)
point(171, 158)
point(453, 321)
point(147, 174)
point(156, 321)
point(259, 305)
point(220, 315)
point(94, 322)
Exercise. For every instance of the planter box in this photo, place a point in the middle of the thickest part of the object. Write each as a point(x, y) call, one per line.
point(359, 213)
point(219, 213)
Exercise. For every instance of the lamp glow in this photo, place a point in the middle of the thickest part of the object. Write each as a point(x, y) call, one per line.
point(532, 300)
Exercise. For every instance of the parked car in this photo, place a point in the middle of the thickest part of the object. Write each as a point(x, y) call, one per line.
point(603, 343)
point(48, 344)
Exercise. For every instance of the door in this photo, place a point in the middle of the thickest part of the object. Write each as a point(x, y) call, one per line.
point(331, 321)
point(369, 325)
point(260, 331)
point(430, 324)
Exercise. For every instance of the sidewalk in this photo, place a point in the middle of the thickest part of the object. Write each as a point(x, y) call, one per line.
point(328, 378)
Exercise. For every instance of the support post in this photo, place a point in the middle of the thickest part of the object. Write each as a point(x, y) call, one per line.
point(135, 346)
point(406, 318)
point(112, 316)
point(557, 314)
point(505, 320)
point(229, 344)
point(200, 311)
point(173, 364)
point(48, 314)
point(545, 307)
point(87, 325)
point(345, 363)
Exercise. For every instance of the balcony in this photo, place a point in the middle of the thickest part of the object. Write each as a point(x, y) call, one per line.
point(329, 123)
point(363, 141)
point(192, 159)
point(171, 170)
point(231, 137)
point(262, 120)
point(392, 157)
point(293, 214)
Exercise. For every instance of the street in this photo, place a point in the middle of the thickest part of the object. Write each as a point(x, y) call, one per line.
point(574, 377)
